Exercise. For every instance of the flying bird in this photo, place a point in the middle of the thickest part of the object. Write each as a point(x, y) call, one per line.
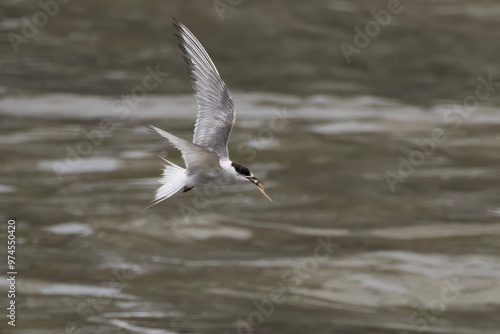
point(206, 158)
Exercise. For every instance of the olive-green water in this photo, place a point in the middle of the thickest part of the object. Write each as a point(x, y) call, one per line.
point(386, 213)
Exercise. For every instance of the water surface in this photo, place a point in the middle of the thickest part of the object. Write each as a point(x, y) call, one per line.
point(202, 261)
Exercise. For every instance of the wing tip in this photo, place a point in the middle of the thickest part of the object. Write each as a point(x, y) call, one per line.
point(175, 22)
point(179, 27)
point(152, 128)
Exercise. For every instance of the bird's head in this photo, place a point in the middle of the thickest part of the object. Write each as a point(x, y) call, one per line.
point(244, 174)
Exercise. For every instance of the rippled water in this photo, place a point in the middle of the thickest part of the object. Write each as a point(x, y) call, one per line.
point(338, 251)
point(386, 213)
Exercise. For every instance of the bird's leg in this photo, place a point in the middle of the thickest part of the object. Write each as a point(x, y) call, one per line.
point(186, 188)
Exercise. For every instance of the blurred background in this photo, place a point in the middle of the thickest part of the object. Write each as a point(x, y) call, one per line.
point(372, 123)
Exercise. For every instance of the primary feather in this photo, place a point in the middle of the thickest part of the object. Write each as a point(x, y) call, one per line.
point(215, 107)
point(206, 158)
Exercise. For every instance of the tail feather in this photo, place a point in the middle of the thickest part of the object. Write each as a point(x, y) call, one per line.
point(174, 179)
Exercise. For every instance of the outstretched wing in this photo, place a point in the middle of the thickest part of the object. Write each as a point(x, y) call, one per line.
point(197, 158)
point(215, 107)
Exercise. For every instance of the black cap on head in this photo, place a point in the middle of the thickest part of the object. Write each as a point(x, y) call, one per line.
point(240, 169)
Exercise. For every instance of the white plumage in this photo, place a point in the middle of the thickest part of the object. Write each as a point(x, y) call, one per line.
point(206, 158)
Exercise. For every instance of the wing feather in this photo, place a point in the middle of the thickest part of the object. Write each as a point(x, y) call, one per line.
point(196, 158)
point(216, 114)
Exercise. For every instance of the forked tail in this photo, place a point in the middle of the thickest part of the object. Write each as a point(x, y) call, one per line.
point(173, 179)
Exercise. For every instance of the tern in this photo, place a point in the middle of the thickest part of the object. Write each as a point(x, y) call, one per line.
point(206, 158)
